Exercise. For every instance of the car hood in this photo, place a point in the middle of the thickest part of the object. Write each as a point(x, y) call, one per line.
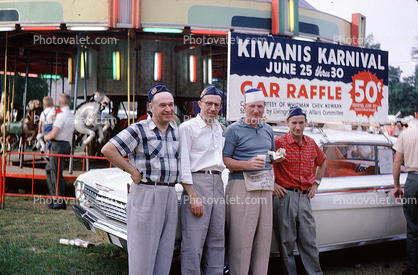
point(112, 182)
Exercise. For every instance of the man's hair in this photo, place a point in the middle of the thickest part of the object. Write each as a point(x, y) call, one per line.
point(65, 99)
point(48, 102)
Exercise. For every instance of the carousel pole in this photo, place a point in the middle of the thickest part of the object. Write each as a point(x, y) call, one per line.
point(13, 90)
point(85, 71)
point(2, 185)
point(77, 75)
point(10, 118)
point(56, 72)
point(129, 80)
point(22, 138)
point(133, 86)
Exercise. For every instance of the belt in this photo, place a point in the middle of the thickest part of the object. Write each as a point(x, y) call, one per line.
point(211, 172)
point(298, 190)
point(159, 183)
point(413, 172)
point(60, 141)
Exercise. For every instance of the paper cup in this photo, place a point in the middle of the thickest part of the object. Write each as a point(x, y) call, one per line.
point(262, 156)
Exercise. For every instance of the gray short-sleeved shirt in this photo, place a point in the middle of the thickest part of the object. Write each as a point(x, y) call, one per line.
point(243, 142)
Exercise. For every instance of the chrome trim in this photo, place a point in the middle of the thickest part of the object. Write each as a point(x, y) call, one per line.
point(91, 221)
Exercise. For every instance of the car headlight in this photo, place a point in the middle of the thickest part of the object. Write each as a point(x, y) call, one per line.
point(79, 191)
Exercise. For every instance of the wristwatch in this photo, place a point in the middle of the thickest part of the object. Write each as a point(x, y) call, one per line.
point(317, 182)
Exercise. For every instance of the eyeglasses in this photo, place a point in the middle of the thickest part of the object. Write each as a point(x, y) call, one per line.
point(210, 104)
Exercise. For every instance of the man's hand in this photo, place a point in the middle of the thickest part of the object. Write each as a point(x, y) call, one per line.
point(397, 193)
point(256, 163)
point(196, 206)
point(313, 190)
point(194, 201)
point(279, 191)
point(136, 176)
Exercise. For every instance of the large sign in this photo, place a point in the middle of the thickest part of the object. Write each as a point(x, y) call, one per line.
point(331, 83)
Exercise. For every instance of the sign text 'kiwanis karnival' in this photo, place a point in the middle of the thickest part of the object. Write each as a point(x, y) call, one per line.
point(331, 83)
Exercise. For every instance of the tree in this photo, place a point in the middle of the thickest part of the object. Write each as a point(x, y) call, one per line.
point(369, 43)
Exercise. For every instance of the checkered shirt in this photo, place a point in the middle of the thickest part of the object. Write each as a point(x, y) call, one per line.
point(299, 167)
point(151, 152)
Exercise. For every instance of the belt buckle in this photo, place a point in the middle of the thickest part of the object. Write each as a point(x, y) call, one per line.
point(210, 172)
point(300, 191)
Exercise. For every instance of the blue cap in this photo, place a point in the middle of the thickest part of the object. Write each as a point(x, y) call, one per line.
point(253, 95)
point(210, 90)
point(155, 89)
point(252, 90)
point(295, 111)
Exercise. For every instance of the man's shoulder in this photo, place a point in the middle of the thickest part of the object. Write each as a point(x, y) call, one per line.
point(409, 131)
point(282, 138)
point(308, 139)
point(187, 123)
point(233, 127)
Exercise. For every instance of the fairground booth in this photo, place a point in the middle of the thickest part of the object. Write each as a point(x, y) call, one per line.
point(122, 47)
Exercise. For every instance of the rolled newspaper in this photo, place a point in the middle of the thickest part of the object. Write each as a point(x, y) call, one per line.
point(76, 242)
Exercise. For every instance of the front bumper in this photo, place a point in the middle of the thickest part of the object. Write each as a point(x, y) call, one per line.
point(110, 231)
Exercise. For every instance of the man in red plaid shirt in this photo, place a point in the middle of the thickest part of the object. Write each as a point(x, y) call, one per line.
point(296, 180)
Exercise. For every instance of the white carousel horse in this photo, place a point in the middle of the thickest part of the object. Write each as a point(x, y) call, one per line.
point(87, 119)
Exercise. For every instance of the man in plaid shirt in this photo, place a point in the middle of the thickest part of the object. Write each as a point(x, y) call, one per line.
point(296, 181)
point(152, 146)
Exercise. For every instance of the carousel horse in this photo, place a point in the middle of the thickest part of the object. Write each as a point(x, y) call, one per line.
point(27, 126)
point(88, 120)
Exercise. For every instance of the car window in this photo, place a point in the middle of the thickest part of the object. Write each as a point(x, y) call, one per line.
point(358, 160)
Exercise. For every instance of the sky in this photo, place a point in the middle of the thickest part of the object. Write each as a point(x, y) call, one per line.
point(393, 23)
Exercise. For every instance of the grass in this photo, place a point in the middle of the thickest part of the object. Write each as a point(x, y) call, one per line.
point(29, 242)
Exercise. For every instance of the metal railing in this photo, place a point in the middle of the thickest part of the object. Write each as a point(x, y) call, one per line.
point(33, 173)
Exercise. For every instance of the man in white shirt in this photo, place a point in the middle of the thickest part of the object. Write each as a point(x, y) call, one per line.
point(203, 203)
point(61, 136)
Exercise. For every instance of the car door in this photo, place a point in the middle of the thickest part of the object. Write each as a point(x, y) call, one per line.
point(353, 202)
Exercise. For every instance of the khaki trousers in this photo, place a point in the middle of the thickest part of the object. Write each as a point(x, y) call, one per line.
point(152, 223)
point(249, 218)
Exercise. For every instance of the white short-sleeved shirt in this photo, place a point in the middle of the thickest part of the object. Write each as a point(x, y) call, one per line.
point(65, 122)
point(47, 115)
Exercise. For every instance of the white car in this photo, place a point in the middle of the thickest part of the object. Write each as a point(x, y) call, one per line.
point(354, 204)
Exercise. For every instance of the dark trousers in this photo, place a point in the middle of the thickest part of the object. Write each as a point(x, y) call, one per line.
point(57, 147)
point(410, 209)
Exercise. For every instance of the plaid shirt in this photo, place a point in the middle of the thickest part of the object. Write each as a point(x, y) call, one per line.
point(152, 153)
point(299, 167)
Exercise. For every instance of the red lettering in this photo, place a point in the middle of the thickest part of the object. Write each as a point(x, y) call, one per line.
point(261, 87)
point(313, 91)
point(302, 92)
point(329, 92)
point(291, 89)
point(274, 89)
point(244, 84)
point(338, 93)
point(321, 93)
